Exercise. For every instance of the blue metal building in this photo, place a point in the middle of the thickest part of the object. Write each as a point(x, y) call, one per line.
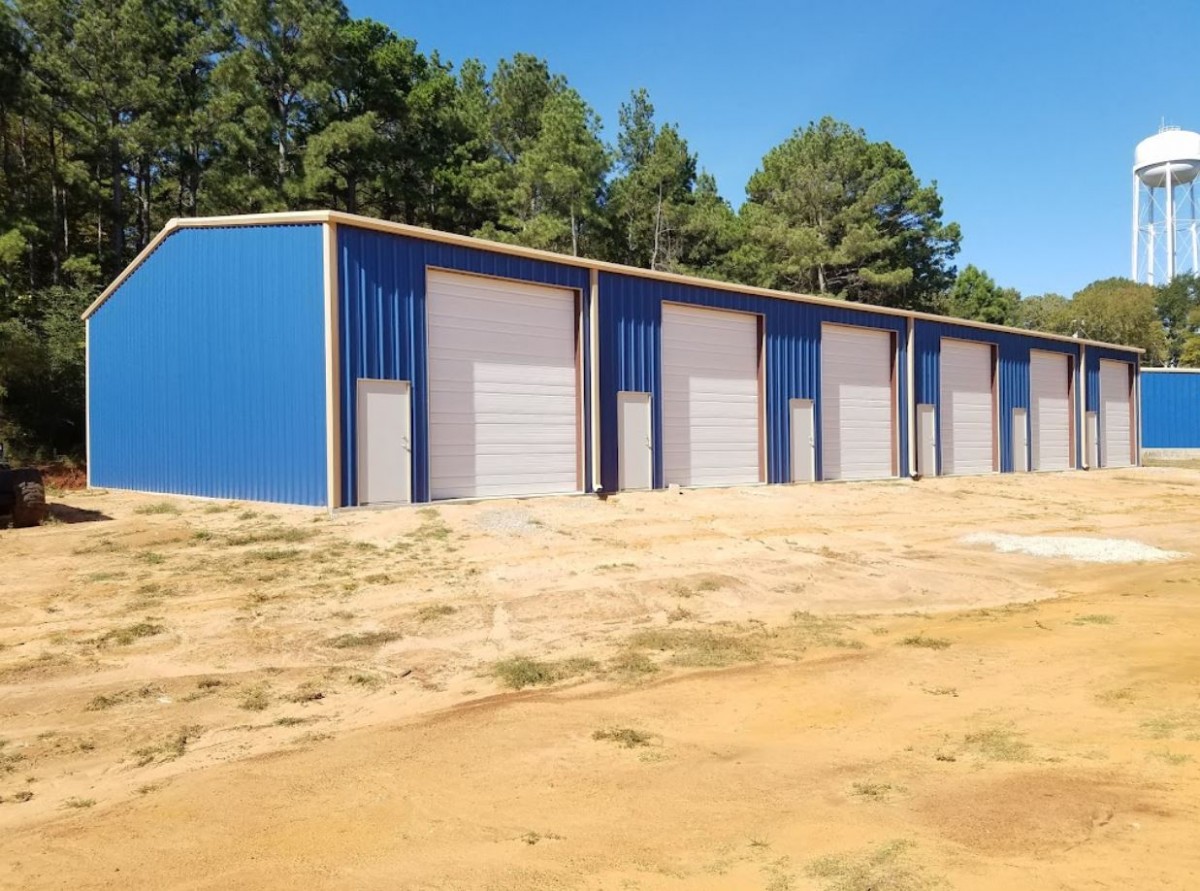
point(325, 359)
point(1171, 408)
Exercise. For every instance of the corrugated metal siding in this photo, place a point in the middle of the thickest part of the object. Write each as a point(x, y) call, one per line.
point(207, 369)
point(630, 338)
point(381, 296)
point(1170, 409)
point(1013, 350)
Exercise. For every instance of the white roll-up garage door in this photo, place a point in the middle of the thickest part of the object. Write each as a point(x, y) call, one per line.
point(857, 411)
point(710, 399)
point(968, 417)
point(1050, 410)
point(1115, 414)
point(503, 416)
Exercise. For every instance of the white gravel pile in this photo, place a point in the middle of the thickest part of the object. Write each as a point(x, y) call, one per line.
point(509, 522)
point(1085, 550)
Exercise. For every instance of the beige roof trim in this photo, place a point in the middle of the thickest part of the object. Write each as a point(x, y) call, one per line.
point(333, 216)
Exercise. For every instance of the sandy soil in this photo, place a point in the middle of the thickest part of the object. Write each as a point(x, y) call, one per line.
point(768, 688)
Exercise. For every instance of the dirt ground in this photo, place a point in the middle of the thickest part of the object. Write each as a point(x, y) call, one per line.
point(810, 687)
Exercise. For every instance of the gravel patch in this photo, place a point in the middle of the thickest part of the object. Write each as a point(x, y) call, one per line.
point(509, 522)
point(1085, 550)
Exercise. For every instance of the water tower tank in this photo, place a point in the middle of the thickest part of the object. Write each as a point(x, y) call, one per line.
point(1166, 227)
point(1176, 151)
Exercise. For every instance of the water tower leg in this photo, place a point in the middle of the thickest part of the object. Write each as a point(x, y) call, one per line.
point(1150, 240)
point(1133, 253)
point(1195, 250)
point(1170, 227)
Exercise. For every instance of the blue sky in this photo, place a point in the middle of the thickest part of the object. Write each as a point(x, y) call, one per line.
point(1025, 113)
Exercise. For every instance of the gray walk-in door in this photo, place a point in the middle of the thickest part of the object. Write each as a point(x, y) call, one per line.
point(384, 444)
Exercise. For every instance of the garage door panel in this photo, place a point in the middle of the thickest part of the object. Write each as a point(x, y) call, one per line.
point(857, 404)
point(1049, 411)
point(1116, 415)
point(503, 381)
point(967, 422)
point(710, 400)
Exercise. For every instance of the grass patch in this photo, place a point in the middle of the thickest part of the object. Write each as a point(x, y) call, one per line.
point(286, 534)
point(1094, 619)
point(434, 611)
point(925, 642)
point(255, 699)
point(174, 746)
point(152, 557)
point(623, 736)
point(104, 576)
point(362, 639)
point(886, 868)
point(1175, 759)
point(306, 692)
point(998, 744)
point(129, 634)
point(158, 507)
point(1167, 725)
point(9, 761)
point(808, 629)
point(698, 648)
point(941, 691)
point(365, 679)
point(79, 803)
point(520, 672)
point(274, 555)
point(872, 791)
point(632, 664)
point(291, 721)
point(1123, 696)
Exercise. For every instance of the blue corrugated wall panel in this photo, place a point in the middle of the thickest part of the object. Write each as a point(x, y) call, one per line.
point(1013, 359)
point(207, 369)
point(381, 295)
point(1170, 409)
point(630, 345)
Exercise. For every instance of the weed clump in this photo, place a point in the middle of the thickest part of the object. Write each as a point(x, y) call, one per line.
point(520, 672)
point(624, 736)
point(928, 643)
point(699, 648)
point(158, 507)
point(130, 633)
point(363, 639)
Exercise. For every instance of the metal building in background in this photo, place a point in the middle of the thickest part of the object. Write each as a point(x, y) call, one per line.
point(1171, 412)
point(1166, 226)
point(327, 359)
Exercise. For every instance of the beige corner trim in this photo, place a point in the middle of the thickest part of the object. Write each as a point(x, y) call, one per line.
point(333, 413)
point(87, 400)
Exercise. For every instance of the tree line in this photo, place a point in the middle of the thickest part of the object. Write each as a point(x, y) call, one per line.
point(117, 115)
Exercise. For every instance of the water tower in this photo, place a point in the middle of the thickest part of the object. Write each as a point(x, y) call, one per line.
point(1165, 237)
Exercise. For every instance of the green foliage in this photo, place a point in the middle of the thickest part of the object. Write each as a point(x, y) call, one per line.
point(974, 295)
point(1178, 307)
point(1118, 310)
point(830, 212)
